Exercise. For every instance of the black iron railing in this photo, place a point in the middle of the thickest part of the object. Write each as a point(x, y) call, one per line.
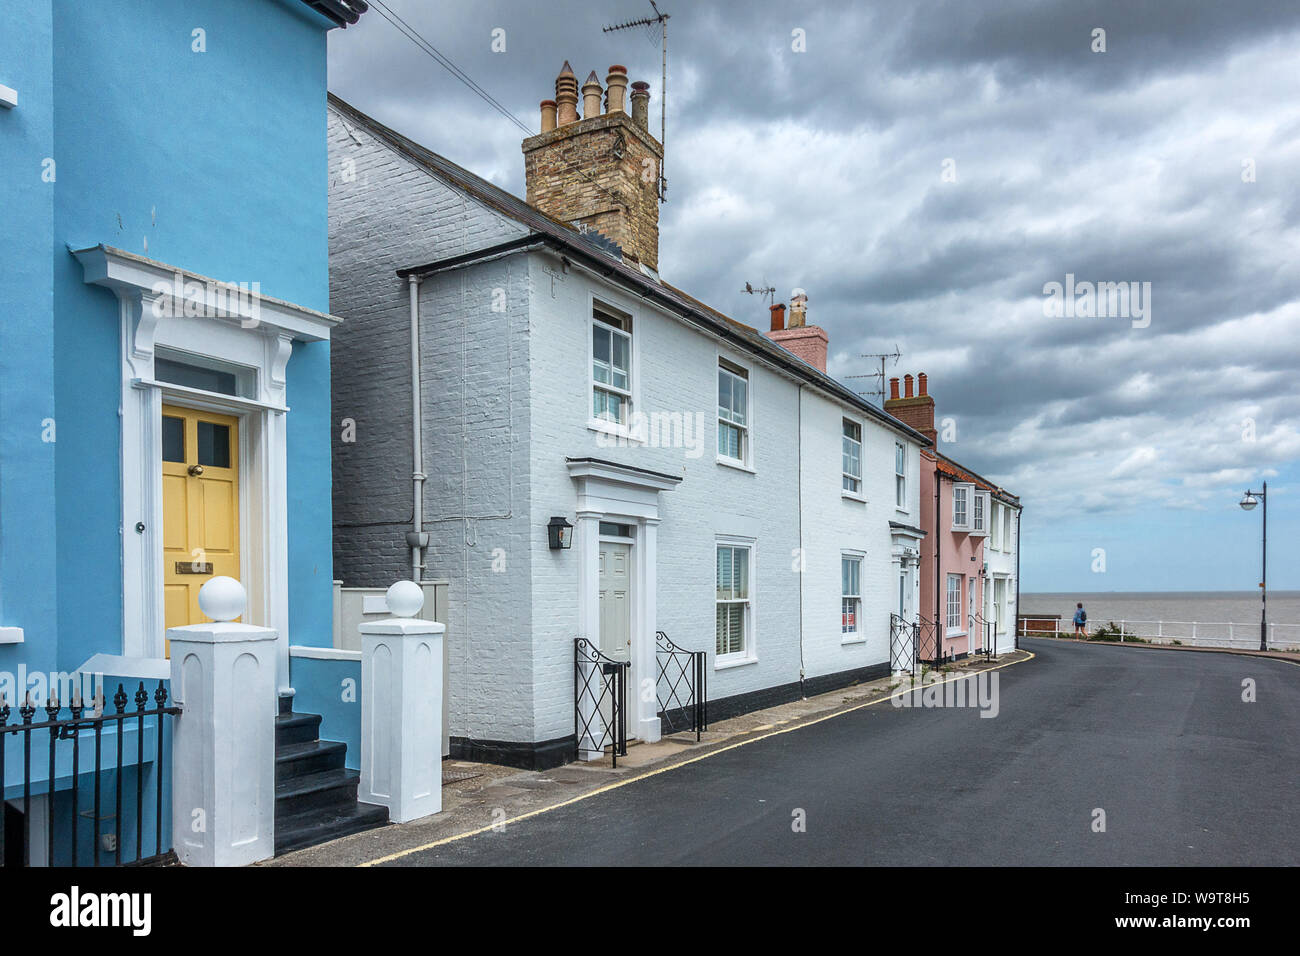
point(65, 739)
point(929, 647)
point(902, 645)
point(599, 701)
point(681, 687)
point(985, 630)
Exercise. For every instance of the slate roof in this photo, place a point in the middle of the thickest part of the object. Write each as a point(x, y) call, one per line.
point(544, 228)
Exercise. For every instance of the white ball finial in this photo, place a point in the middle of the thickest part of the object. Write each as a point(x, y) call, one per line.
point(405, 598)
point(222, 599)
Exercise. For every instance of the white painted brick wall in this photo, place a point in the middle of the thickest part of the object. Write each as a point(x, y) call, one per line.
point(507, 399)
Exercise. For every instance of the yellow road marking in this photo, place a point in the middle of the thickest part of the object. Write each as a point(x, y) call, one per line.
point(654, 773)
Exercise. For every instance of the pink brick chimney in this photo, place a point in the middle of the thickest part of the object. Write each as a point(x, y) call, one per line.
point(809, 342)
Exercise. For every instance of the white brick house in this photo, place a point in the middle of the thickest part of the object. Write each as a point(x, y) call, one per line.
point(559, 376)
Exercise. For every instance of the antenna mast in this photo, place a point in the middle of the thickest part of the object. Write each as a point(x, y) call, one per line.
point(661, 19)
point(879, 391)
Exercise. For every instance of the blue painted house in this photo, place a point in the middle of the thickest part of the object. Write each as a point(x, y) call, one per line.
point(164, 330)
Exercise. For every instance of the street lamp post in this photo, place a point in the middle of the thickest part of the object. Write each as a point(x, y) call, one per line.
point(1248, 504)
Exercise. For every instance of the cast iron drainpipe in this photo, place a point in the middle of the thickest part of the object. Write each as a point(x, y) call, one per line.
point(938, 567)
point(416, 539)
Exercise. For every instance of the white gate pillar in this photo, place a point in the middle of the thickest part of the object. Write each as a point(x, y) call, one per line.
point(401, 708)
point(223, 747)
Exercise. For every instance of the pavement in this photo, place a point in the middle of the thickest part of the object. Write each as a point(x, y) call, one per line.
point(1098, 755)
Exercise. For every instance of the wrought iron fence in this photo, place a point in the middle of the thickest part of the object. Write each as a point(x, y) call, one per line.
point(929, 648)
point(599, 701)
point(902, 645)
point(985, 630)
point(64, 755)
point(681, 686)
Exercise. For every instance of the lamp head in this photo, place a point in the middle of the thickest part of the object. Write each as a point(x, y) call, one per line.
point(1248, 503)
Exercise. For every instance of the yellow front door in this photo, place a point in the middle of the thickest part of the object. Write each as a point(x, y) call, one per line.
point(200, 506)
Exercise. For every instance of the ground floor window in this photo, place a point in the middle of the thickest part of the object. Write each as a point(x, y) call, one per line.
point(734, 637)
point(850, 593)
point(1000, 604)
point(954, 602)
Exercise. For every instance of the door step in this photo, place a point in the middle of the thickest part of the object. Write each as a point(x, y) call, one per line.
point(315, 794)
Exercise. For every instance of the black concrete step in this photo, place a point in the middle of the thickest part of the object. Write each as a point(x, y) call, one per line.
point(311, 756)
point(295, 728)
point(327, 790)
point(299, 830)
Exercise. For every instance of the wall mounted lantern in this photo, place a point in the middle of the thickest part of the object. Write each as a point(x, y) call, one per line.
point(559, 533)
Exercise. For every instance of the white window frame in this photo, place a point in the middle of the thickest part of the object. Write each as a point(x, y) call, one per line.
point(950, 606)
point(995, 526)
point(1000, 607)
point(847, 478)
point(632, 393)
point(979, 514)
point(900, 476)
point(961, 521)
point(1008, 528)
point(748, 654)
point(857, 635)
point(746, 460)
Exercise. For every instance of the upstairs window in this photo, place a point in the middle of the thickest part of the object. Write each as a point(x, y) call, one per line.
point(961, 495)
point(852, 457)
point(900, 475)
point(733, 412)
point(979, 513)
point(611, 367)
point(995, 527)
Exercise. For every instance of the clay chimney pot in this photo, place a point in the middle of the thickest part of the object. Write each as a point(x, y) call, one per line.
point(907, 386)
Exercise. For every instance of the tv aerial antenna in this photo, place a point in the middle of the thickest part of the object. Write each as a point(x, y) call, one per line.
point(768, 291)
point(882, 357)
point(661, 21)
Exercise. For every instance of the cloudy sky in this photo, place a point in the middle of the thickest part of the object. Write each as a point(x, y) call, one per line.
point(923, 170)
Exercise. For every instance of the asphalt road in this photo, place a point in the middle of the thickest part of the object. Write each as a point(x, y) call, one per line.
point(1186, 772)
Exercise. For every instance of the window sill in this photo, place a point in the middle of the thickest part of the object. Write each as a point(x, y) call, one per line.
point(619, 432)
point(853, 639)
point(852, 496)
point(11, 635)
point(948, 634)
point(724, 664)
point(737, 465)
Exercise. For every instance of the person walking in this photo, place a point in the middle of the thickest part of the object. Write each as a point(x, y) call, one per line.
point(1080, 621)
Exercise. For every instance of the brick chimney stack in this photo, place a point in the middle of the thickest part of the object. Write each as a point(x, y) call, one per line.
point(809, 342)
point(599, 171)
point(914, 410)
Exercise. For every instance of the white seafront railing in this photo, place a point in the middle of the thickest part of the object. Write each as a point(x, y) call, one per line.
point(1245, 636)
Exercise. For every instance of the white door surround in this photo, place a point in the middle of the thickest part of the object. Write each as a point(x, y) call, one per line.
point(608, 491)
point(231, 328)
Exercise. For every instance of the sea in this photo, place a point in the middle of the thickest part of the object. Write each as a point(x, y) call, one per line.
point(1217, 607)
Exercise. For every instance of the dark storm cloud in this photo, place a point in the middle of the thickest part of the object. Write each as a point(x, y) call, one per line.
point(825, 169)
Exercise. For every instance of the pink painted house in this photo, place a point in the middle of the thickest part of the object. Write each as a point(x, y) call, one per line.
point(963, 609)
